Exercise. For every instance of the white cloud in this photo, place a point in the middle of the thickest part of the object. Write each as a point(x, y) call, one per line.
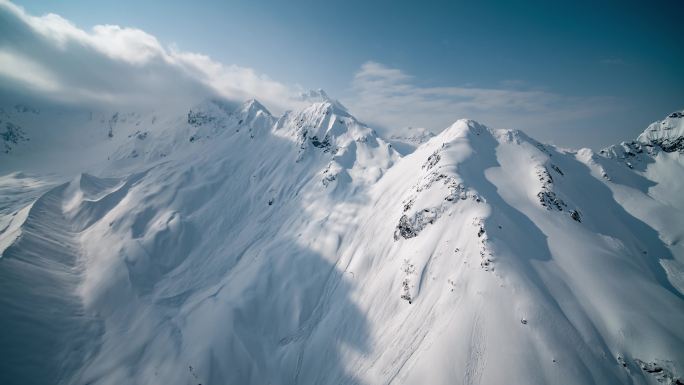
point(33, 74)
point(391, 98)
point(112, 64)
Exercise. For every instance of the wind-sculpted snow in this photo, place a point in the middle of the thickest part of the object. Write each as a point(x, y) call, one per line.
point(46, 332)
point(225, 245)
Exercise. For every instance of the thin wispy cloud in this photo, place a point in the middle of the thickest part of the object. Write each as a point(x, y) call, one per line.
point(392, 98)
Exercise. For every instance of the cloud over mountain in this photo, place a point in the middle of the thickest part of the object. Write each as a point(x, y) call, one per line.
point(49, 56)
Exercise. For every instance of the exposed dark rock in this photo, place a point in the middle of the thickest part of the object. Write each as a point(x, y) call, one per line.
point(406, 295)
point(574, 214)
point(544, 175)
point(12, 135)
point(328, 176)
point(408, 269)
point(456, 191)
point(408, 204)
point(404, 229)
point(141, 135)
point(549, 200)
point(432, 160)
point(670, 145)
point(198, 118)
point(409, 227)
point(557, 169)
point(324, 144)
point(621, 361)
point(660, 373)
point(543, 149)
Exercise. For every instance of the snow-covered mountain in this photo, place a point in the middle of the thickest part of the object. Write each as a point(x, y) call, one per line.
point(224, 245)
point(408, 139)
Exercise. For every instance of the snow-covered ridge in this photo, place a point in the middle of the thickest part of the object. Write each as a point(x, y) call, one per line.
point(221, 244)
point(666, 135)
point(355, 150)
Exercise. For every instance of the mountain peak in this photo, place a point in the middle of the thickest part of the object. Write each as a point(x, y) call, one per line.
point(320, 96)
point(252, 106)
point(668, 133)
point(462, 128)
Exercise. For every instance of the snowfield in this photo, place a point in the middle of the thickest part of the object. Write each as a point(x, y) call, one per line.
point(225, 245)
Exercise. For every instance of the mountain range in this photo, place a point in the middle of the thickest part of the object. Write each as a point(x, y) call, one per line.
point(222, 244)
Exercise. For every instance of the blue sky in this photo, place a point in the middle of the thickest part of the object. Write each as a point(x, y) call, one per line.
point(574, 73)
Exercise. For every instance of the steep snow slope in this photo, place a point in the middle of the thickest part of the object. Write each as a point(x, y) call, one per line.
point(225, 245)
point(652, 191)
point(504, 285)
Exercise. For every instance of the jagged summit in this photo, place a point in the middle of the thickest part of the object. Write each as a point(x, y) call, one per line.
point(322, 120)
point(327, 129)
point(668, 134)
point(253, 107)
point(665, 135)
point(218, 110)
point(255, 117)
point(320, 96)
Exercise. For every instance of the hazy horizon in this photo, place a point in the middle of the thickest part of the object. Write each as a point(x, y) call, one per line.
point(575, 75)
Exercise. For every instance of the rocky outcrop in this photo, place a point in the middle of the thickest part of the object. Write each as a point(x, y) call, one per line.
point(12, 135)
point(410, 226)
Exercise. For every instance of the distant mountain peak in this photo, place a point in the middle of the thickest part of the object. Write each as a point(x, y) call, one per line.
point(462, 128)
point(320, 96)
point(252, 106)
point(668, 134)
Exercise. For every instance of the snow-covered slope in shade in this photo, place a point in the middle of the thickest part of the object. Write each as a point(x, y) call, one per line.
point(225, 245)
point(645, 176)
